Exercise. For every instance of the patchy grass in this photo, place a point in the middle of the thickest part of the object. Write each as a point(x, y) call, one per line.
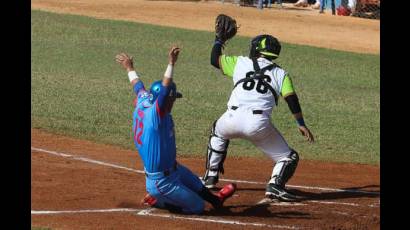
point(78, 89)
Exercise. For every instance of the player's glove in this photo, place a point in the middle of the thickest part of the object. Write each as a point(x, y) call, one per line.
point(225, 27)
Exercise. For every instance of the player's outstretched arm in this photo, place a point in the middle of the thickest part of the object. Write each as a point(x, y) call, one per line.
point(167, 80)
point(216, 53)
point(172, 59)
point(127, 63)
point(225, 29)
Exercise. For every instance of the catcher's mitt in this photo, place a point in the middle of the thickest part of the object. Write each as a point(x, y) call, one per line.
point(225, 27)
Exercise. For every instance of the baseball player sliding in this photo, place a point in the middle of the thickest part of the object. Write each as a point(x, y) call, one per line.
point(169, 184)
point(258, 83)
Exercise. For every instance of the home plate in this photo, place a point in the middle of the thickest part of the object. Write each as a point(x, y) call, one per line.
point(275, 202)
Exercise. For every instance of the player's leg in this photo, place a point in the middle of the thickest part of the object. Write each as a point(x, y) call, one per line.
point(272, 143)
point(216, 154)
point(191, 181)
point(230, 125)
point(172, 195)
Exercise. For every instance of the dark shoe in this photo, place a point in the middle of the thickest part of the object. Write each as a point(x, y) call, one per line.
point(276, 192)
point(149, 200)
point(211, 182)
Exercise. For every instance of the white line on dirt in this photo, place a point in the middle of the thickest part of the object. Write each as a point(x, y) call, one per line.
point(341, 213)
point(286, 204)
point(145, 211)
point(86, 160)
point(215, 220)
point(305, 187)
point(34, 212)
point(148, 212)
point(228, 180)
point(331, 202)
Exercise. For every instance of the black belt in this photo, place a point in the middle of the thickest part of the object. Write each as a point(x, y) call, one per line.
point(253, 111)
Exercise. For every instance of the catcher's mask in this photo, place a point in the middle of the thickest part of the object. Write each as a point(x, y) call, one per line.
point(156, 88)
point(266, 45)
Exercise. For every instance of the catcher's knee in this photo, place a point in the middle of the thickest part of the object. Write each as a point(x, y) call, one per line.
point(216, 151)
point(284, 169)
point(294, 156)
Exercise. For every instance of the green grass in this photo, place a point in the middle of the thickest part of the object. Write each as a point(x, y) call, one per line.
point(78, 90)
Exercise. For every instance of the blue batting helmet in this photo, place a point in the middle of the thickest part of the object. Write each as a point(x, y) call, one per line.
point(156, 88)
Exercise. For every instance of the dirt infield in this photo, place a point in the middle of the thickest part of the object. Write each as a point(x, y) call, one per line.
point(100, 186)
point(291, 25)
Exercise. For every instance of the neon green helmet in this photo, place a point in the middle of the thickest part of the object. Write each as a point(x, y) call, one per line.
point(266, 45)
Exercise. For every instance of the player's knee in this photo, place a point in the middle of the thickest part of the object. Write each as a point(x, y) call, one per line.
point(294, 156)
point(292, 159)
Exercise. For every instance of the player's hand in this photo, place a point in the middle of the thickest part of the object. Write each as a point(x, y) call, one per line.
point(306, 132)
point(125, 61)
point(173, 55)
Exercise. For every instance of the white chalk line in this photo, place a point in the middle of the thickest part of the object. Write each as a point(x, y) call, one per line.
point(86, 160)
point(148, 212)
point(332, 202)
point(286, 204)
point(228, 180)
point(34, 212)
point(306, 187)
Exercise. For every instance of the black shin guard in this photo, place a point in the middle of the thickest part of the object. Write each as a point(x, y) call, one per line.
point(215, 157)
point(284, 169)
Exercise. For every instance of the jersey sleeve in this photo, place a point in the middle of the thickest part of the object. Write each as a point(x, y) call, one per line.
point(140, 92)
point(228, 64)
point(287, 86)
point(163, 93)
point(155, 114)
point(159, 106)
point(138, 87)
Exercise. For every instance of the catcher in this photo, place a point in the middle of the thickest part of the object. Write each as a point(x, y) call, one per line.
point(258, 83)
point(169, 184)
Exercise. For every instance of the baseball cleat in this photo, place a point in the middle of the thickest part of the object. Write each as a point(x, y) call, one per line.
point(211, 182)
point(301, 3)
point(226, 192)
point(274, 191)
point(149, 200)
point(316, 6)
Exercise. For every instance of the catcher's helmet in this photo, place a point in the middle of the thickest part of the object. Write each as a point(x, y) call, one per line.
point(156, 88)
point(266, 45)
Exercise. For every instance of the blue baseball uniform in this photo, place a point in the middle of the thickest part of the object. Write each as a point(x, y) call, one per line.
point(166, 180)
